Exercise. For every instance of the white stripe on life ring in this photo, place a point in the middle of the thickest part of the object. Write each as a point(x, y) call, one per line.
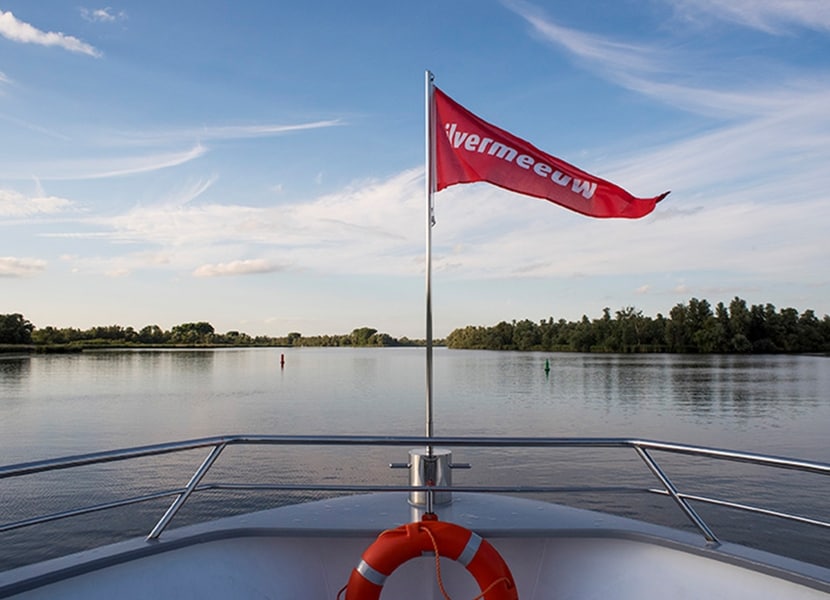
point(469, 552)
point(370, 574)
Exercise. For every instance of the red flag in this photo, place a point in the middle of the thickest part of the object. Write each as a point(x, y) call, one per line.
point(469, 149)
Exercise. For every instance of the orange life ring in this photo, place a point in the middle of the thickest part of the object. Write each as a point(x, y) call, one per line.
point(394, 547)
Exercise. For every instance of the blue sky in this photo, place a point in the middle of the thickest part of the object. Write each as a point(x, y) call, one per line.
point(259, 165)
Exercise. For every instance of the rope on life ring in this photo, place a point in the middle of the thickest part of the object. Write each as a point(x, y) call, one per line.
point(396, 546)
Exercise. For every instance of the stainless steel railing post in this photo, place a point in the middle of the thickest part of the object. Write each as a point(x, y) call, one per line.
point(711, 538)
point(182, 498)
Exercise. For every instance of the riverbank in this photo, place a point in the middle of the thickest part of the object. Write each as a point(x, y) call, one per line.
point(77, 347)
point(38, 349)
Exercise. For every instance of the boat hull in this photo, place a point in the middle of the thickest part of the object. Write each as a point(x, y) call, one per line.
point(308, 551)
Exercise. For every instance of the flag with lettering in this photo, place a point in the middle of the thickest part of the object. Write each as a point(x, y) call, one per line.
point(469, 149)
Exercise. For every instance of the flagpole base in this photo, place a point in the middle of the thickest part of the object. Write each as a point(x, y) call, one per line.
point(430, 469)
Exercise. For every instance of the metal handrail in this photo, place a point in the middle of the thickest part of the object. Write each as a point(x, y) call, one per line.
point(218, 443)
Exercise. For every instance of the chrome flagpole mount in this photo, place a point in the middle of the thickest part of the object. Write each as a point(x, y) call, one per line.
point(428, 471)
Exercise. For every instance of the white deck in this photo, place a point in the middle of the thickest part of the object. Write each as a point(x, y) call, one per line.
point(308, 551)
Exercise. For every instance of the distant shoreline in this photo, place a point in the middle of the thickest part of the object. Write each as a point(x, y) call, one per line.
point(73, 348)
point(76, 348)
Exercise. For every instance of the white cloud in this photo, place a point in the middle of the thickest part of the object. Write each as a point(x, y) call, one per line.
point(11, 266)
point(19, 31)
point(482, 232)
point(367, 228)
point(369, 214)
point(102, 15)
point(119, 265)
point(236, 267)
point(14, 204)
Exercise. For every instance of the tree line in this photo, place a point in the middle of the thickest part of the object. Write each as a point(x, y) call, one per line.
point(694, 327)
point(16, 330)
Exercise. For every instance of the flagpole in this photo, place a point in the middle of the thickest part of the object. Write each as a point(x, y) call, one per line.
point(429, 185)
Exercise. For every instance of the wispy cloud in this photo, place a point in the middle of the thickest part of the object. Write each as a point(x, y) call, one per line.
point(773, 130)
point(250, 131)
point(771, 16)
point(19, 31)
point(103, 149)
point(35, 128)
point(144, 164)
point(220, 132)
point(189, 192)
point(613, 55)
point(102, 15)
point(14, 267)
point(676, 78)
point(102, 168)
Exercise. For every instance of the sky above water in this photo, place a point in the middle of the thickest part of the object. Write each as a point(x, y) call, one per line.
point(260, 165)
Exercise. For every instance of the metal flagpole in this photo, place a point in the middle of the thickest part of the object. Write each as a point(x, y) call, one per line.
point(429, 178)
point(430, 467)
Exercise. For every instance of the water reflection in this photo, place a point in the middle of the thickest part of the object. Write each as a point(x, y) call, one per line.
point(57, 405)
point(741, 387)
point(14, 371)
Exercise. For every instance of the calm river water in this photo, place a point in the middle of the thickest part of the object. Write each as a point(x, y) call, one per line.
point(54, 405)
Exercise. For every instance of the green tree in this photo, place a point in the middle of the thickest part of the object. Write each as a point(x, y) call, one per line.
point(151, 334)
point(603, 330)
point(788, 324)
point(471, 337)
point(809, 332)
point(362, 335)
point(739, 325)
point(629, 329)
point(691, 327)
point(500, 337)
point(15, 329)
point(584, 337)
point(526, 335)
point(49, 335)
point(382, 339)
point(676, 338)
point(192, 333)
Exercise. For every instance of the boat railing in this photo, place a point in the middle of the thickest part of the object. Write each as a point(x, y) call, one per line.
point(644, 449)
